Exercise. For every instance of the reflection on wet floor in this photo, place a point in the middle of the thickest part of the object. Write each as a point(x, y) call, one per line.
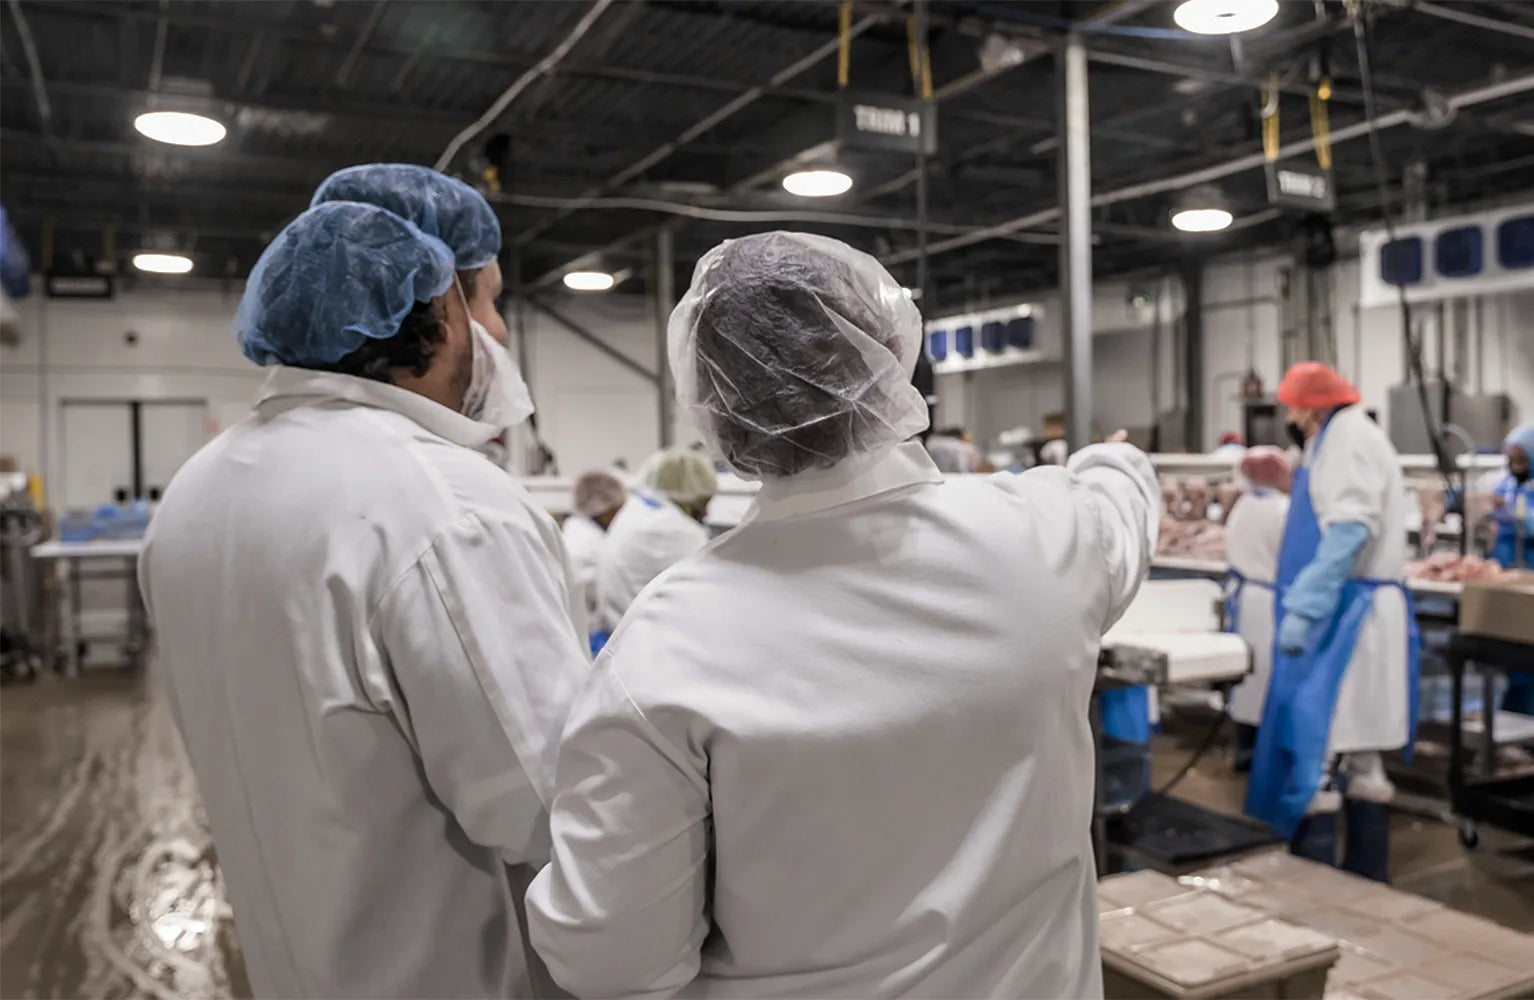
point(109, 885)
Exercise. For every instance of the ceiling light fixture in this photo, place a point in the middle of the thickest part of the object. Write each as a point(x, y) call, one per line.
point(1202, 220)
point(180, 128)
point(1223, 17)
point(588, 281)
point(162, 263)
point(817, 183)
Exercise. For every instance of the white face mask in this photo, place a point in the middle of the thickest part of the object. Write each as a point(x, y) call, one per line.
point(497, 394)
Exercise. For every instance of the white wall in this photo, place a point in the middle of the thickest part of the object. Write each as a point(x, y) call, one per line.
point(184, 350)
point(592, 410)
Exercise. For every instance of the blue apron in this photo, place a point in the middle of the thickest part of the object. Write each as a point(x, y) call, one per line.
point(1519, 696)
point(1235, 584)
point(1290, 756)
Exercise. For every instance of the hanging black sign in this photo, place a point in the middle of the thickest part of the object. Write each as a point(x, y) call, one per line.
point(1305, 186)
point(886, 122)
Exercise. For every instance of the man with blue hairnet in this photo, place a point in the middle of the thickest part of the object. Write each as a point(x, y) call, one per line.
point(1512, 520)
point(459, 216)
point(366, 628)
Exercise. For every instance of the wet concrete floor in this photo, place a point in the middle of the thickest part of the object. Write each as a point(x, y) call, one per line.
point(109, 885)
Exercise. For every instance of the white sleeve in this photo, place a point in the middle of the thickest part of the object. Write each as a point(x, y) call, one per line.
point(620, 910)
point(1346, 481)
point(486, 662)
point(1118, 485)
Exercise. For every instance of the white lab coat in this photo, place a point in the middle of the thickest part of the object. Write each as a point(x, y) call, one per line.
point(844, 751)
point(365, 631)
point(584, 541)
point(648, 536)
point(1253, 534)
point(1356, 476)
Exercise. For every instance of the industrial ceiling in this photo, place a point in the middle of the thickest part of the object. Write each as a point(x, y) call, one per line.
point(669, 109)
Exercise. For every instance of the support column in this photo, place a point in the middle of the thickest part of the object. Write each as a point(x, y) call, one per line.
point(1075, 172)
point(1193, 352)
point(663, 299)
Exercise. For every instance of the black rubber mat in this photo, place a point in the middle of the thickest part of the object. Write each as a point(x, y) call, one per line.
point(1174, 832)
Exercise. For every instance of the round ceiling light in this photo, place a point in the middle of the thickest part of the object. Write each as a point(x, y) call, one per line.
point(1201, 220)
point(1223, 17)
point(162, 263)
point(817, 183)
point(588, 281)
point(180, 128)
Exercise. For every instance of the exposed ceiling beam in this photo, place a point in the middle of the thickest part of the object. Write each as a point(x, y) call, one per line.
point(1455, 13)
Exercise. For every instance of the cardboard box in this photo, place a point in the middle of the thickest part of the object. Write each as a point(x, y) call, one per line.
point(1499, 609)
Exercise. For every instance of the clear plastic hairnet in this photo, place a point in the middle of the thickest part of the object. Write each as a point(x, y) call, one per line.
point(337, 276)
point(681, 474)
point(1522, 436)
point(597, 492)
point(439, 205)
point(794, 352)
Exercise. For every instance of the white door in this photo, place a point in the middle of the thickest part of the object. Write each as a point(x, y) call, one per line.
point(169, 434)
point(96, 452)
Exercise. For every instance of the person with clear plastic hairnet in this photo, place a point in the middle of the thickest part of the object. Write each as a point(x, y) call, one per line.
point(597, 497)
point(366, 630)
point(659, 525)
point(459, 216)
point(844, 749)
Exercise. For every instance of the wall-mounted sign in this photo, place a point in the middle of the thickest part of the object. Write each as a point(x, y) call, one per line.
point(886, 122)
point(78, 286)
point(1306, 186)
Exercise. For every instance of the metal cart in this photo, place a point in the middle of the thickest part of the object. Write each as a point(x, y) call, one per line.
point(1505, 801)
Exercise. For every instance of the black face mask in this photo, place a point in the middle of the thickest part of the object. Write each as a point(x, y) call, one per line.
point(1296, 433)
point(1520, 475)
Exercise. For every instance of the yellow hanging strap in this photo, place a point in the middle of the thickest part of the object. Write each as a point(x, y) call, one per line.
point(844, 53)
point(1320, 125)
point(1269, 116)
point(921, 60)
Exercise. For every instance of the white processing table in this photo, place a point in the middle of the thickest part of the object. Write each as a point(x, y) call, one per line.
point(69, 569)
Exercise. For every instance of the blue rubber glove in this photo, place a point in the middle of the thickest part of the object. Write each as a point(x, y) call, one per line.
point(1292, 634)
point(1318, 587)
point(1502, 515)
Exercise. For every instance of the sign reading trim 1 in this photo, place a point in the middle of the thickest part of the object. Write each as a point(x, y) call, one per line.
point(886, 122)
point(1304, 186)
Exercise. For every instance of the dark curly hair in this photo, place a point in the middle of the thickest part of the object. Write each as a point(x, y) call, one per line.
point(411, 348)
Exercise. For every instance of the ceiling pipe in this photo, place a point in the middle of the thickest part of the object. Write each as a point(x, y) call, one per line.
point(34, 65)
point(1218, 171)
point(524, 81)
point(1474, 20)
point(639, 166)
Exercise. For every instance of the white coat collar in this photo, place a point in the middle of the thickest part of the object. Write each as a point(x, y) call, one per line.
point(299, 384)
point(856, 479)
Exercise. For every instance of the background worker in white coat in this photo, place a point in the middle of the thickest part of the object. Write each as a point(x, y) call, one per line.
point(597, 496)
point(1254, 530)
point(1345, 671)
point(365, 630)
point(844, 750)
point(661, 524)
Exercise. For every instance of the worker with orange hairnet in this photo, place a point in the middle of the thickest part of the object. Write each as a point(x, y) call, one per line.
point(1344, 674)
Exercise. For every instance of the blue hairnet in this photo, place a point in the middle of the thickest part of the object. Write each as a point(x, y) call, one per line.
point(337, 276)
point(1523, 437)
point(440, 205)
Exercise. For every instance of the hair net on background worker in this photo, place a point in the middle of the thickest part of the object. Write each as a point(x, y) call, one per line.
point(683, 475)
point(1521, 437)
point(794, 352)
point(439, 205)
point(1313, 386)
point(340, 274)
point(597, 492)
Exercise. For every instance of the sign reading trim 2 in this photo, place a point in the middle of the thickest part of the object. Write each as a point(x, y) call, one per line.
point(886, 122)
point(1304, 186)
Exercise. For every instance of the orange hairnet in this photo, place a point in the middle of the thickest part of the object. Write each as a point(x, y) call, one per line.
point(1312, 385)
